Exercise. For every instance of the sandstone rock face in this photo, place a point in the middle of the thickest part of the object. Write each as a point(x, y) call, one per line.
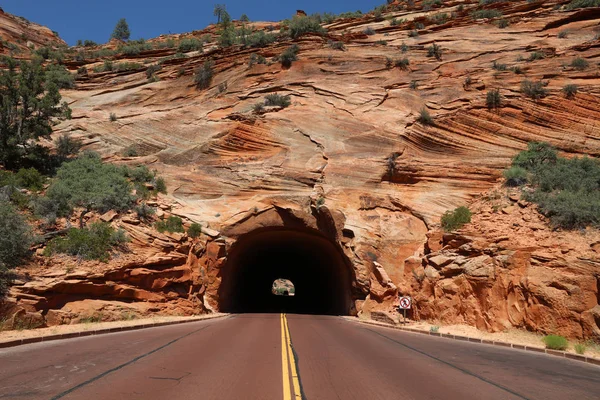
point(349, 161)
point(20, 34)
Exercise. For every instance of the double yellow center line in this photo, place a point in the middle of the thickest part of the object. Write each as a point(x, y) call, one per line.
point(288, 364)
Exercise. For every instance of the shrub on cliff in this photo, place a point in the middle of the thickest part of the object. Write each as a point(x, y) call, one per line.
point(194, 230)
point(289, 55)
point(15, 236)
point(515, 176)
point(566, 190)
point(278, 100)
point(435, 51)
point(171, 225)
point(93, 243)
point(89, 184)
point(555, 342)
point(582, 4)
point(452, 220)
point(535, 90)
point(493, 99)
point(300, 25)
point(204, 75)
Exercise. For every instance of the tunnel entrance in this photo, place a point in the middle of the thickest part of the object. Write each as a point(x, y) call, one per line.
point(316, 266)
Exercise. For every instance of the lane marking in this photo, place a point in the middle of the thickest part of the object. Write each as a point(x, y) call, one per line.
point(287, 394)
point(102, 375)
point(292, 359)
point(465, 371)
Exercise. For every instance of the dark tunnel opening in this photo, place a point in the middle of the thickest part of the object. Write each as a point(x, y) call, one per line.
point(316, 266)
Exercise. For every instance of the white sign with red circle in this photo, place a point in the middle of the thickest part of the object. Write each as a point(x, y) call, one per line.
point(405, 303)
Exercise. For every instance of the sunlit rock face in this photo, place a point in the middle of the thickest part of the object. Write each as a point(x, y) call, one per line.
point(349, 150)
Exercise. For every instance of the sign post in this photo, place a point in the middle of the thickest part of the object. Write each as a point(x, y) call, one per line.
point(405, 304)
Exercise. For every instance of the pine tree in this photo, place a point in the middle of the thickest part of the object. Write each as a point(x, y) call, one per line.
point(121, 31)
point(29, 102)
point(219, 10)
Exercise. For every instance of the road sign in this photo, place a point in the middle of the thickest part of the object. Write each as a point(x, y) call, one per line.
point(405, 303)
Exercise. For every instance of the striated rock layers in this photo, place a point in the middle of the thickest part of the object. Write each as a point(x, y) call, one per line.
point(349, 163)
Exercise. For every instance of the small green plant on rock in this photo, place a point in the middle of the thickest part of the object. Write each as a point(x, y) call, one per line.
point(580, 348)
point(194, 230)
point(434, 329)
point(493, 99)
point(435, 51)
point(424, 117)
point(555, 342)
point(278, 100)
point(570, 90)
point(171, 225)
point(453, 220)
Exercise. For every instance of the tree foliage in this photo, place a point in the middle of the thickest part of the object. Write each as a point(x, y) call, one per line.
point(29, 104)
point(219, 11)
point(121, 31)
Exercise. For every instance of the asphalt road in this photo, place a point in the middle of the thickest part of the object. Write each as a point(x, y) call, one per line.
point(268, 356)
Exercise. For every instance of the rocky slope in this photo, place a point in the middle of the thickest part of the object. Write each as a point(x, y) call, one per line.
point(19, 35)
point(351, 139)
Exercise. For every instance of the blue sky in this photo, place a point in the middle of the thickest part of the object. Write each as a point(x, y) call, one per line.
point(95, 20)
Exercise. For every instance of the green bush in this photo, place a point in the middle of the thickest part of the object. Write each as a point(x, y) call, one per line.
point(566, 190)
point(144, 211)
point(486, 14)
point(555, 342)
point(429, 4)
point(535, 90)
point(439, 18)
point(15, 236)
point(204, 75)
point(580, 348)
point(563, 34)
point(289, 55)
point(300, 25)
point(171, 225)
point(369, 31)
point(256, 59)
point(435, 51)
point(498, 67)
point(515, 176)
point(502, 23)
point(278, 100)
point(30, 178)
point(260, 39)
point(93, 243)
point(536, 55)
point(337, 45)
point(570, 90)
point(194, 230)
point(579, 63)
point(189, 44)
point(88, 183)
point(538, 154)
point(582, 4)
point(160, 186)
point(425, 117)
point(66, 146)
point(493, 99)
point(59, 75)
point(402, 63)
point(244, 18)
point(452, 220)
point(152, 70)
